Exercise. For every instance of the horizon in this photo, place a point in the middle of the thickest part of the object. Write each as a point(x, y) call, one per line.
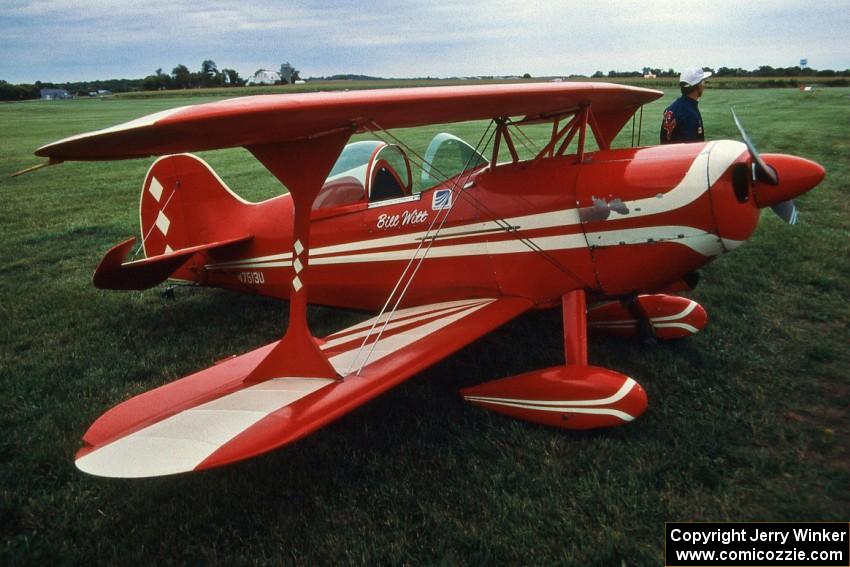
point(357, 76)
point(116, 39)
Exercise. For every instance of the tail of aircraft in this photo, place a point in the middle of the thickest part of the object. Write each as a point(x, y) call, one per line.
point(183, 204)
point(185, 210)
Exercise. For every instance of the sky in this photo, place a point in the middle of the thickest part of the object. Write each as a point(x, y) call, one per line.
point(75, 40)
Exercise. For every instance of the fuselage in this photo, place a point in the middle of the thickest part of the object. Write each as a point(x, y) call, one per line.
point(620, 221)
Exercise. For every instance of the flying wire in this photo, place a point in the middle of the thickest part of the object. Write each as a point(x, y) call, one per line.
point(148, 233)
point(457, 188)
point(457, 185)
point(499, 221)
point(534, 149)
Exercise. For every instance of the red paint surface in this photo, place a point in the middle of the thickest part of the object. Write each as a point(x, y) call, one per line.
point(597, 242)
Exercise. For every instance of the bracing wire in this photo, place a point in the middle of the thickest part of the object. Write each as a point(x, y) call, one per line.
point(457, 188)
point(525, 140)
point(148, 233)
point(500, 222)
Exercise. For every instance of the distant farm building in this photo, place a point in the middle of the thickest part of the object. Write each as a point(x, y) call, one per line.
point(55, 94)
point(264, 77)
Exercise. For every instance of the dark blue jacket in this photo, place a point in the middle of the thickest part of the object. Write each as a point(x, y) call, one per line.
point(682, 122)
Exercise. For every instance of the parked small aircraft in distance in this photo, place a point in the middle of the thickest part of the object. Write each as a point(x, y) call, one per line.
point(443, 257)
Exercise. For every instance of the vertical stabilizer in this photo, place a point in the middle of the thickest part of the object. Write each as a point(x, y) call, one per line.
point(184, 204)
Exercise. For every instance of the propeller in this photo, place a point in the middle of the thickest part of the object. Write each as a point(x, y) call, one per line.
point(786, 210)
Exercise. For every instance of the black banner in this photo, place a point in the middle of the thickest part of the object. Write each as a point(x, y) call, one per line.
point(758, 544)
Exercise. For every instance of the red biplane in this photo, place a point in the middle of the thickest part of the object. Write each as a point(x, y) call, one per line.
point(442, 257)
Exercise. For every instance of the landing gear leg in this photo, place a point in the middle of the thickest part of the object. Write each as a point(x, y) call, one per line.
point(572, 396)
point(646, 331)
point(574, 305)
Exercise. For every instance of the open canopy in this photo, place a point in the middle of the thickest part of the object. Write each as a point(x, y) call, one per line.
point(270, 119)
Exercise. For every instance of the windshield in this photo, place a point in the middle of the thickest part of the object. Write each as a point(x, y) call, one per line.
point(447, 156)
point(354, 156)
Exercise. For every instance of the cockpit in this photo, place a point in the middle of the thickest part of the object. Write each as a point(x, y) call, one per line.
point(372, 171)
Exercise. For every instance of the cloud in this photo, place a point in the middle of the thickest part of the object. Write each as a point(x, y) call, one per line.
point(66, 39)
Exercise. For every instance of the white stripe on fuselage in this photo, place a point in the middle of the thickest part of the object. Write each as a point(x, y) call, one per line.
point(705, 243)
point(454, 241)
point(551, 219)
point(689, 189)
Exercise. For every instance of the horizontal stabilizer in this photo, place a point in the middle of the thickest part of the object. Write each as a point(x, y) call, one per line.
point(215, 417)
point(111, 273)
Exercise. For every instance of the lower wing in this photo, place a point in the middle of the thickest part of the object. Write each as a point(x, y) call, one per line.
point(214, 417)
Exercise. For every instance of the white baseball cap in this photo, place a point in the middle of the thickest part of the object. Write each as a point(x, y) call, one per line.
point(693, 76)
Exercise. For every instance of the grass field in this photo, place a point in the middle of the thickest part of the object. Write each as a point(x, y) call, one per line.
point(747, 421)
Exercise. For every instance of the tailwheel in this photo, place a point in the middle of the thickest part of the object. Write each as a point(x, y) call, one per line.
point(573, 396)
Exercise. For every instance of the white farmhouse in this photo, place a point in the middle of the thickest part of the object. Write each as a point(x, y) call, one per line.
point(264, 77)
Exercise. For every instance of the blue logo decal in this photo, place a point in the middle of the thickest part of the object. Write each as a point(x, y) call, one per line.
point(442, 200)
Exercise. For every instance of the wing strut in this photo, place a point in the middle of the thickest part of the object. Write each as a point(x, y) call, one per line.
point(302, 166)
point(578, 124)
point(574, 312)
point(573, 396)
point(458, 191)
point(502, 132)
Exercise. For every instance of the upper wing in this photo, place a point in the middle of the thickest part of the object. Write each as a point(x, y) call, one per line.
point(270, 119)
point(214, 417)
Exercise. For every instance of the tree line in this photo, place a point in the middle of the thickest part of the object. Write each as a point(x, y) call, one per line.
point(181, 77)
point(762, 71)
point(209, 75)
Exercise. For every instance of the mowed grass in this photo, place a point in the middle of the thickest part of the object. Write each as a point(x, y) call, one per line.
point(747, 421)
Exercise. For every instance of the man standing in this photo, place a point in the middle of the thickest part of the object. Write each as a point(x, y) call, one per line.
point(682, 120)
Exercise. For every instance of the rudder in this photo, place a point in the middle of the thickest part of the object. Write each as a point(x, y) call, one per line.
point(184, 203)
